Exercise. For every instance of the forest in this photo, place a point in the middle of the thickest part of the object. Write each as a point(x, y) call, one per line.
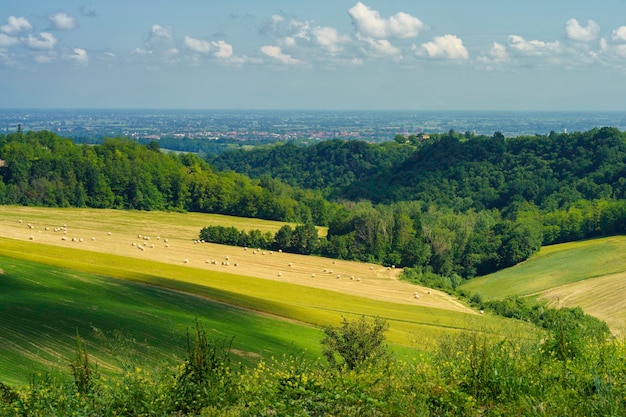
point(449, 206)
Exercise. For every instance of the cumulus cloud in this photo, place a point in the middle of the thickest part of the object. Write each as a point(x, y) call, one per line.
point(279, 26)
point(496, 55)
point(158, 31)
point(197, 45)
point(62, 21)
point(7, 41)
point(77, 56)
point(221, 49)
point(159, 44)
point(620, 51)
point(619, 34)
point(45, 40)
point(613, 51)
point(577, 32)
point(276, 53)
point(532, 47)
point(369, 23)
point(298, 38)
point(15, 25)
point(329, 39)
point(447, 47)
point(224, 50)
point(379, 47)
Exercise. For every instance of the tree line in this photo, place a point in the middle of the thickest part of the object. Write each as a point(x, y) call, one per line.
point(458, 171)
point(43, 169)
point(328, 165)
point(303, 239)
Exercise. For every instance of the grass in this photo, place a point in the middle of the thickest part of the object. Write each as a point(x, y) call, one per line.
point(152, 296)
point(589, 274)
point(554, 266)
point(310, 305)
point(44, 307)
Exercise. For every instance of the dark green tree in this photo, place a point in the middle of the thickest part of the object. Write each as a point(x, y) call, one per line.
point(305, 239)
point(356, 342)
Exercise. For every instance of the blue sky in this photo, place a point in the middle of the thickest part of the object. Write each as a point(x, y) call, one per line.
point(305, 54)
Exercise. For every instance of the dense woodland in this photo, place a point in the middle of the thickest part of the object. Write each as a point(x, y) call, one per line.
point(456, 205)
point(449, 206)
point(46, 170)
point(329, 165)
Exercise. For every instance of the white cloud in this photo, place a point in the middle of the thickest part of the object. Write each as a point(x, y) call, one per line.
point(221, 49)
point(496, 55)
point(141, 52)
point(532, 47)
point(298, 38)
point(7, 41)
point(379, 47)
point(158, 31)
point(329, 39)
point(447, 46)
point(224, 50)
point(159, 45)
point(106, 56)
point(619, 34)
point(612, 52)
point(62, 21)
point(579, 33)
point(620, 51)
point(498, 52)
point(45, 40)
point(279, 27)
point(197, 45)
point(369, 23)
point(15, 25)
point(78, 56)
point(276, 53)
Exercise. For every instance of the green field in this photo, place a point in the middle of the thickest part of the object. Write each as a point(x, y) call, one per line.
point(49, 291)
point(590, 274)
point(43, 308)
point(554, 266)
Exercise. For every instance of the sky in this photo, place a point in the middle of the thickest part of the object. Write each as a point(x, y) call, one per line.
point(314, 54)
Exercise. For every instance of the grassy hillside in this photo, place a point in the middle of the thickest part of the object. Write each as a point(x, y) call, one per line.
point(589, 274)
point(44, 307)
point(103, 285)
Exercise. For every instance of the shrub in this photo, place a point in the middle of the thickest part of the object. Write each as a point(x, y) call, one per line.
point(205, 378)
point(355, 342)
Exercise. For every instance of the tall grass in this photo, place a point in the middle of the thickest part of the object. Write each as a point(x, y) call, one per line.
point(471, 374)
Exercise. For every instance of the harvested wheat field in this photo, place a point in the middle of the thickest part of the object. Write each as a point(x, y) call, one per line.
point(603, 297)
point(171, 238)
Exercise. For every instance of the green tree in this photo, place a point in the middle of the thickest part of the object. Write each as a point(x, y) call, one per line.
point(282, 238)
point(305, 239)
point(356, 342)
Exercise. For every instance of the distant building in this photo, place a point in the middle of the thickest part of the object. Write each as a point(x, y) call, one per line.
point(3, 163)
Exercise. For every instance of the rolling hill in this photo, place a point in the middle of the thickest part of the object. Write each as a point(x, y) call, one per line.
point(588, 274)
point(93, 277)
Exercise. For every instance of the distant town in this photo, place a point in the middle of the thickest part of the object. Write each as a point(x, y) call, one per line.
point(272, 126)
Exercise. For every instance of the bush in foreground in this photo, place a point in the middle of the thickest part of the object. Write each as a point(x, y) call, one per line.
point(470, 374)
